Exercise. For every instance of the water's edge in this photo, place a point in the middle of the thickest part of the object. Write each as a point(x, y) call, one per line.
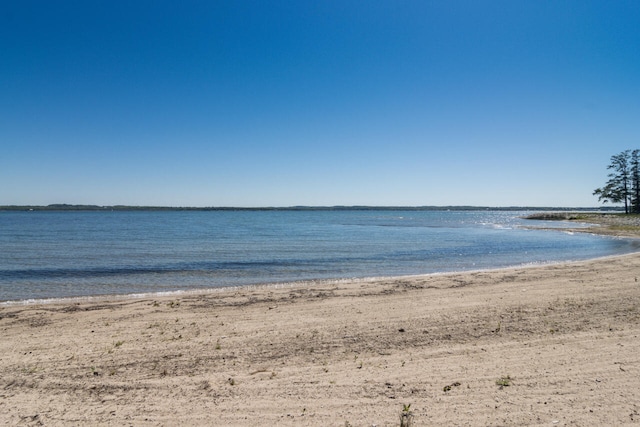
point(88, 299)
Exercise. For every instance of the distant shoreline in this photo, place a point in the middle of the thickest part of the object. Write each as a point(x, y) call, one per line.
point(621, 225)
point(72, 207)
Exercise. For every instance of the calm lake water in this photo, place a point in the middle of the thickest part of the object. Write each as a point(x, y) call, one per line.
point(70, 254)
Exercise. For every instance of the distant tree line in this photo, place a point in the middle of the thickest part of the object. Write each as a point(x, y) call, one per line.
point(623, 185)
point(69, 207)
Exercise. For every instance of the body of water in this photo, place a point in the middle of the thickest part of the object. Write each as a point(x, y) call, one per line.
point(71, 254)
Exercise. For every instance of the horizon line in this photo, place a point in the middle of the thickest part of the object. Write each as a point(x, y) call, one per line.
point(92, 207)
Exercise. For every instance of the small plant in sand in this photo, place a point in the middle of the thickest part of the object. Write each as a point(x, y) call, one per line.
point(30, 369)
point(503, 381)
point(406, 416)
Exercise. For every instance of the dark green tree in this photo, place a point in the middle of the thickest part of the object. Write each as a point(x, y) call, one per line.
point(618, 188)
point(634, 163)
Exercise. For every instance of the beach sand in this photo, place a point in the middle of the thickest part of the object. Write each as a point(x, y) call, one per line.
point(547, 345)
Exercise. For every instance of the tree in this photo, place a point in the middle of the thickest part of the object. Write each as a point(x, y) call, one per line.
point(634, 163)
point(617, 189)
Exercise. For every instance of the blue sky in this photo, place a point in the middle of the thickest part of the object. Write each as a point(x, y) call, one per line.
point(281, 103)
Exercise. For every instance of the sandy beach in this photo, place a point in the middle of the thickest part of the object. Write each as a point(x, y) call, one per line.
point(546, 345)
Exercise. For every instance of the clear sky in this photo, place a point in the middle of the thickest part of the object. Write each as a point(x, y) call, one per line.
point(281, 103)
